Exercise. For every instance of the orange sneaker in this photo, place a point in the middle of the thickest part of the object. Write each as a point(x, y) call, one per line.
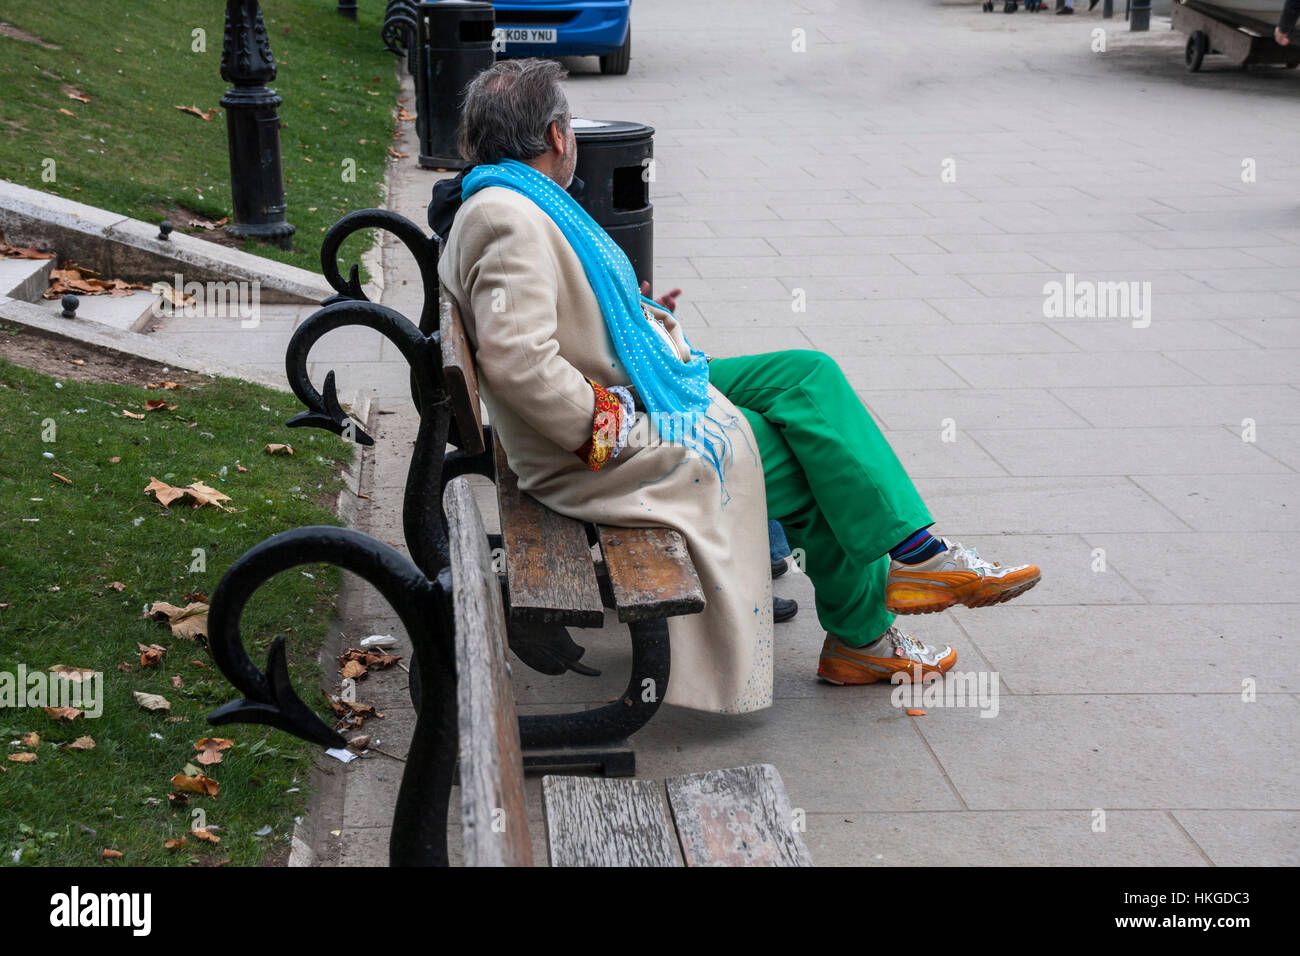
point(891, 653)
point(955, 576)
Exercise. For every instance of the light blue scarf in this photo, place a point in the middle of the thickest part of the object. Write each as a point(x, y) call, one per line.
point(675, 394)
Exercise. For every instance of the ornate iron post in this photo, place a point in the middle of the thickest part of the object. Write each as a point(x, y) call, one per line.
point(253, 128)
point(348, 8)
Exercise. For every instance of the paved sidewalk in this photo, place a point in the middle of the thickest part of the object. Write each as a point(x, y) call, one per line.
point(1106, 449)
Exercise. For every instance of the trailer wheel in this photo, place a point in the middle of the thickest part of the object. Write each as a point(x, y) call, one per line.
point(1198, 44)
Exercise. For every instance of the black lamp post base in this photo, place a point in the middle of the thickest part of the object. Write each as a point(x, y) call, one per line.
point(253, 128)
point(279, 233)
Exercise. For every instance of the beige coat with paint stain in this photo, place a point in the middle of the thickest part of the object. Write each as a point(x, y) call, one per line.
point(537, 330)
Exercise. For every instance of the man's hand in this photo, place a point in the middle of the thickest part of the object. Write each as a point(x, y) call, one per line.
point(1280, 37)
point(668, 300)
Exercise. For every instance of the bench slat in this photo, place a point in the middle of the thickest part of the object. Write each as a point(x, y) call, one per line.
point(493, 809)
point(736, 817)
point(460, 376)
point(549, 572)
point(651, 573)
point(591, 821)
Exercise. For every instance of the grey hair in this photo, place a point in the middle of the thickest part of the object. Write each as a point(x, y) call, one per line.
point(508, 108)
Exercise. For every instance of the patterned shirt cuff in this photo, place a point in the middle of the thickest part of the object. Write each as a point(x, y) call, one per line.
point(609, 427)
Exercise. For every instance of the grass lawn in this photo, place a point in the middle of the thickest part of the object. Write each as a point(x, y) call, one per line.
point(131, 151)
point(59, 604)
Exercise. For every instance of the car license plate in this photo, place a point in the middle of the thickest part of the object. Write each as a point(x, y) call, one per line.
point(527, 35)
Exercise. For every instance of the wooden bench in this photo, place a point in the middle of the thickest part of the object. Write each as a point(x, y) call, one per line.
point(552, 579)
point(736, 817)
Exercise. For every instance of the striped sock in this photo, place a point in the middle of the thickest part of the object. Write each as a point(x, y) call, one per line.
point(917, 547)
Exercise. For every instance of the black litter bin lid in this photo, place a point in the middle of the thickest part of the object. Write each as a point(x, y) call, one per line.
point(610, 131)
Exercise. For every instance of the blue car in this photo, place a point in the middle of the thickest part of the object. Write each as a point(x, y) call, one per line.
point(554, 28)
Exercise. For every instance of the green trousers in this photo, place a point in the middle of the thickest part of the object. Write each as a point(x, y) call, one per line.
point(832, 481)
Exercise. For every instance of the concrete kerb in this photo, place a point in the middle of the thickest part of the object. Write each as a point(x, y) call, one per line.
point(130, 249)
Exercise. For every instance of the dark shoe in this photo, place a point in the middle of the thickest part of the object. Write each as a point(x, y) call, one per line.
point(784, 610)
point(548, 648)
point(1092, 4)
point(1065, 11)
point(779, 568)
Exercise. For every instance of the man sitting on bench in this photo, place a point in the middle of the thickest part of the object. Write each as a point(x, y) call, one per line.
point(607, 414)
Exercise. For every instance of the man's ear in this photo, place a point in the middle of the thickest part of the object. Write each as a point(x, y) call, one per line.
point(555, 137)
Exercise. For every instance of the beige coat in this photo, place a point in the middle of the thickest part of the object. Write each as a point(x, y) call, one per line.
point(537, 330)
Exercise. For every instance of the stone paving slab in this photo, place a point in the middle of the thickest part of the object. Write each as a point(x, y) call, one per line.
point(1082, 442)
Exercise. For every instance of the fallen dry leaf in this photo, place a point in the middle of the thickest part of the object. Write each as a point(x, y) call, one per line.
point(112, 855)
point(79, 97)
point(197, 596)
point(178, 681)
point(203, 495)
point(367, 659)
point(396, 155)
point(199, 783)
point(137, 417)
point(78, 674)
point(190, 621)
point(404, 116)
point(32, 740)
point(915, 712)
point(209, 224)
point(124, 667)
point(22, 758)
point(240, 468)
point(115, 459)
point(22, 252)
point(168, 292)
point(178, 799)
point(81, 743)
point(195, 111)
point(210, 749)
point(174, 845)
point(151, 702)
point(157, 404)
point(164, 384)
point(66, 112)
point(204, 834)
point(352, 669)
point(85, 281)
point(63, 713)
point(150, 654)
point(116, 585)
point(277, 449)
point(66, 481)
point(196, 491)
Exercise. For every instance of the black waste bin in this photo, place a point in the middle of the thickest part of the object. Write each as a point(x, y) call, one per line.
point(615, 165)
point(454, 46)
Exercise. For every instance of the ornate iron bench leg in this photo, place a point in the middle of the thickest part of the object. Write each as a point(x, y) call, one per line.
point(598, 737)
point(420, 824)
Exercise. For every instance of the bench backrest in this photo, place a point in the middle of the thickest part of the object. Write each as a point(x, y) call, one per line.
point(460, 377)
point(493, 811)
